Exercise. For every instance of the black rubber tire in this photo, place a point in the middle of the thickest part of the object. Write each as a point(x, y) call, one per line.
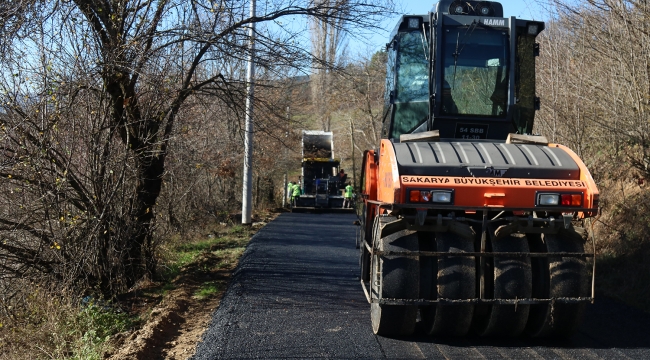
point(456, 279)
point(558, 277)
point(394, 277)
point(364, 264)
point(506, 278)
point(428, 278)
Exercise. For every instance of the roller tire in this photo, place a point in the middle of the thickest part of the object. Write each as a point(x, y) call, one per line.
point(364, 264)
point(394, 277)
point(506, 278)
point(428, 278)
point(456, 279)
point(558, 277)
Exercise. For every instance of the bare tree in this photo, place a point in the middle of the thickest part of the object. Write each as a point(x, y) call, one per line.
point(359, 100)
point(93, 96)
point(327, 46)
point(594, 83)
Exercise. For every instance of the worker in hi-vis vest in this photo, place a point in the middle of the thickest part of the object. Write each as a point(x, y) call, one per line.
point(349, 192)
point(295, 193)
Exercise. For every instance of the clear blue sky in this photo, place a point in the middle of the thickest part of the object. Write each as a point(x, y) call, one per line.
point(523, 9)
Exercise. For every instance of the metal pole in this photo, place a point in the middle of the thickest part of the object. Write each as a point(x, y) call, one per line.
point(284, 158)
point(284, 192)
point(248, 139)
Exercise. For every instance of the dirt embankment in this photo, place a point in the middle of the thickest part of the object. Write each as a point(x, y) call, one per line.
point(176, 321)
point(173, 329)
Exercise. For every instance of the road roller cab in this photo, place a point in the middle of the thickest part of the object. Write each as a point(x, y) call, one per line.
point(469, 219)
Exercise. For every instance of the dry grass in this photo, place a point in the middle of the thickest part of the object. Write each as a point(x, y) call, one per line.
point(50, 324)
point(623, 243)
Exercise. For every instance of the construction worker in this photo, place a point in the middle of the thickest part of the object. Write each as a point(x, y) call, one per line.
point(295, 193)
point(349, 192)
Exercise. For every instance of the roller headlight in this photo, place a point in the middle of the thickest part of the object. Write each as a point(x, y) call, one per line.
point(441, 197)
point(548, 199)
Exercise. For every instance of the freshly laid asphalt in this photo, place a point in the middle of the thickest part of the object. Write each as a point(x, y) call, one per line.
point(296, 294)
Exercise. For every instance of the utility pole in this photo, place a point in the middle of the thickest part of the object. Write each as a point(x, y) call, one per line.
point(247, 182)
point(286, 172)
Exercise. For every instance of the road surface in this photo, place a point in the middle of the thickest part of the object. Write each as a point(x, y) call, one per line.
point(296, 294)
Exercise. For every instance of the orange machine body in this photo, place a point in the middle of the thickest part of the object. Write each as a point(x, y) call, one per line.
point(384, 184)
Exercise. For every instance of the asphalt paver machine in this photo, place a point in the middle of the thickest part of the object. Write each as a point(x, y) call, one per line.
point(320, 181)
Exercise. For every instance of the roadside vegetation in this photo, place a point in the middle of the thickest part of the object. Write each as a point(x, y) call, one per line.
point(593, 82)
point(55, 325)
point(121, 136)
